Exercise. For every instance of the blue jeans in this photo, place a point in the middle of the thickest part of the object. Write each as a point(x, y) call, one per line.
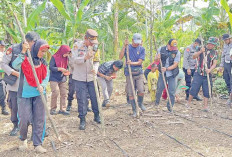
point(188, 79)
point(82, 89)
point(171, 89)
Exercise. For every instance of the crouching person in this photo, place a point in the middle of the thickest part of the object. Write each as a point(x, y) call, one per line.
point(106, 72)
point(30, 106)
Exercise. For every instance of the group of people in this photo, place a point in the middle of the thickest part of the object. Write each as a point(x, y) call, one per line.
point(74, 71)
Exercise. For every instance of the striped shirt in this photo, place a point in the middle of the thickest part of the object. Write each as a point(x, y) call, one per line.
point(106, 68)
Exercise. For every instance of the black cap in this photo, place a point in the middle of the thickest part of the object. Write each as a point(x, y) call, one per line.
point(225, 36)
point(2, 43)
point(118, 64)
point(198, 41)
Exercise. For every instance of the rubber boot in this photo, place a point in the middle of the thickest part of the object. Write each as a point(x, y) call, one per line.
point(4, 111)
point(69, 106)
point(15, 130)
point(40, 149)
point(132, 102)
point(97, 118)
point(140, 102)
point(82, 123)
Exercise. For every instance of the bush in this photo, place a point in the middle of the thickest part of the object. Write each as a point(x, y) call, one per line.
point(219, 86)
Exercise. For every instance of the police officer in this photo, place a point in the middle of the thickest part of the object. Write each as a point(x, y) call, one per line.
point(2, 91)
point(12, 75)
point(200, 76)
point(189, 65)
point(226, 60)
point(170, 58)
point(83, 77)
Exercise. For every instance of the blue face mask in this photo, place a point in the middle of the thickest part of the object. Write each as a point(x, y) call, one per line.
point(197, 47)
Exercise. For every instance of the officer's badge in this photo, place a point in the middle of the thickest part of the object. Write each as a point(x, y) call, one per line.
point(138, 53)
point(9, 51)
point(173, 55)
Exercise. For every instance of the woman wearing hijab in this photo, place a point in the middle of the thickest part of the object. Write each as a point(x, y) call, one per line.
point(58, 79)
point(30, 106)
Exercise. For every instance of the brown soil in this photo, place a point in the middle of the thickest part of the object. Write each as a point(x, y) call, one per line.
point(155, 134)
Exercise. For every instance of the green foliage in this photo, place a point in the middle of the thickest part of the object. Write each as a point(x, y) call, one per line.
point(219, 86)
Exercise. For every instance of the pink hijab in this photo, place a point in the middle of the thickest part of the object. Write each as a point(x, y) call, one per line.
point(58, 56)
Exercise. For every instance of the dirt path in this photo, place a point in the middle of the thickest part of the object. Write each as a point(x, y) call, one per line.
point(157, 133)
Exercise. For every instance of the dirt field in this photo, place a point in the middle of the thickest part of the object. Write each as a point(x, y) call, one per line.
point(189, 132)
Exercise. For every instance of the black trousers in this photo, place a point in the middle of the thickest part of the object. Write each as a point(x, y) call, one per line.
point(2, 95)
point(188, 79)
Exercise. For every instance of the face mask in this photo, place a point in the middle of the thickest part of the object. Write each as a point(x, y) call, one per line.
point(95, 48)
point(197, 47)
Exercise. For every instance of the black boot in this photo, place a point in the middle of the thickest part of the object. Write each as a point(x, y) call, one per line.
point(132, 102)
point(140, 102)
point(15, 130)
point(97, 118)
point(197, 98)
point(69, 106)
point(4, 111)
point(82, 123)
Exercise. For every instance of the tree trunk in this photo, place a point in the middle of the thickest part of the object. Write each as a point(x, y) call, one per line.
point(116, 27)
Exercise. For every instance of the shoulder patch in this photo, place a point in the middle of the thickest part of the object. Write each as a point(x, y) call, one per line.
point(188, 49)
point(9, 51)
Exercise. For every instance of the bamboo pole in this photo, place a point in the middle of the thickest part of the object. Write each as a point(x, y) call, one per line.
point(208, 79)
point(98, 99)
point(34, 73)
point(164, 80)
point(132, 83)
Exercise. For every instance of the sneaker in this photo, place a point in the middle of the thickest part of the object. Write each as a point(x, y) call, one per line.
point(97, 118)
point(228, 103)
point(187, 105)
point(40, 149)
point(205, 110)
point(65, 113)
point(23, 145)
point(53, 112)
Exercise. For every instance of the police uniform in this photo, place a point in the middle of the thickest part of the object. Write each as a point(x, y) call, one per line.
point(83, 78)
point(226, 63)
point(12, 81)
point(189, 63)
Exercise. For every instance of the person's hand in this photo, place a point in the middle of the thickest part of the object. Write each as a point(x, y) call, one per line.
point(94, 72)
point(40, 88)
point(89, 55)
point(129, 62)
point(108, 78)
point(15, 73)
point(189, 72)
point(63, 70)
point(158, 56)
point(202, 50)
point(164, 69)
point(207, 71)
point(25, 47)
point(126, 42)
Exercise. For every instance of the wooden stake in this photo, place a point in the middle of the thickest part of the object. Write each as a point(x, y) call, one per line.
point(35, 75)
point(131, 81)
point(164, 80)
point(208, 79)
point(98, 101)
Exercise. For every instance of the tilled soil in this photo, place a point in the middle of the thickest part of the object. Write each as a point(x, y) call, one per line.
point(157, 133)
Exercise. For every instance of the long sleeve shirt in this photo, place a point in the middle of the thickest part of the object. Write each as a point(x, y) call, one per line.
point(55, 75)
point(225, 58)
point(29, 91)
